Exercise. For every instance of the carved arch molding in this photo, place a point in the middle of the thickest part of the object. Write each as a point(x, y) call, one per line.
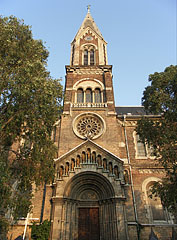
point(89, 190)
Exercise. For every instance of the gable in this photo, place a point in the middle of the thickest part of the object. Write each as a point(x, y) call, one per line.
point(83, 147)
point(89, 157)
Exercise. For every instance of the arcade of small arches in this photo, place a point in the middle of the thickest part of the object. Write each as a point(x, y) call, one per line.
point(89, 95)
point(89, 157)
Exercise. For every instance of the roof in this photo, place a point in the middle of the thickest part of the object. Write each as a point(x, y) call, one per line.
point(88, 22)
point(131, 110)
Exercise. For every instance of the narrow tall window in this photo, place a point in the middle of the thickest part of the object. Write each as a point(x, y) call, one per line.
point(85, 57)
point(92, 57)
point(141, 148)
point(97, 95)
point(88, 95)
point(80, 95)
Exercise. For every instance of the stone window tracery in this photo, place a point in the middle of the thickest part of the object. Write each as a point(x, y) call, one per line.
point(89, 127)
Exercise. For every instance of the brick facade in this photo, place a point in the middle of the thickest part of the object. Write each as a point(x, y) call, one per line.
point(102, 172)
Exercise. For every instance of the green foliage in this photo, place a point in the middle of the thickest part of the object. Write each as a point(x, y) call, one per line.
point(41, 231)
point(161, 98)
point(30, 104)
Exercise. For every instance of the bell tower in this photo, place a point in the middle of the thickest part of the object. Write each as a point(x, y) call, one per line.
point(88, 91)
point(89, 171)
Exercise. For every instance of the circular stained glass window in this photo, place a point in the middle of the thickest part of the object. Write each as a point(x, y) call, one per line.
point(88, 126)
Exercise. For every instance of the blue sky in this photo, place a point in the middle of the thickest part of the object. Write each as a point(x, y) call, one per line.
point(141, 36)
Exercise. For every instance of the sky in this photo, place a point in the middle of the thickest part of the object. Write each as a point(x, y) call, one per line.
point(141, 36)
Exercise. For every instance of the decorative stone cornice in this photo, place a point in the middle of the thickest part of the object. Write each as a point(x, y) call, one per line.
point(89, 69)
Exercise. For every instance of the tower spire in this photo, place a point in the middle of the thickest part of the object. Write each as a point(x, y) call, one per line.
point(88, 8)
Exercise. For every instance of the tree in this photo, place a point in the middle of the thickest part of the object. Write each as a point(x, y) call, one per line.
point(161, 98)
point(41, 231)
point(30, 104)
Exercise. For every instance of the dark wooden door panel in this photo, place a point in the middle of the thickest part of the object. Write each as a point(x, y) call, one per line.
point(88, 224)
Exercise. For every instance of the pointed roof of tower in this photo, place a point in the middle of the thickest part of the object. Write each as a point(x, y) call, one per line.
point(88, 22)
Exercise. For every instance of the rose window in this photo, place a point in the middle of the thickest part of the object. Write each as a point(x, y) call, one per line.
point(88, 126)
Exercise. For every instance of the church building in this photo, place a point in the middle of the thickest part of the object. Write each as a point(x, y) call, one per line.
point(103, 172)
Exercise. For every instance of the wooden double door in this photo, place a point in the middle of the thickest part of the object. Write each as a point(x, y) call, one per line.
point(88, 224)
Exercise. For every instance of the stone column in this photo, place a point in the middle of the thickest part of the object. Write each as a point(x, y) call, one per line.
point(67, 223)
point(71, 220)
point(106, 222)
point(75, 97)
point(110, 220)
point(84, 97)
point(115, 226)
point(102, 97)
point(93, 96)
point(101, 217)
point(58, 205)
point(120, 220)
point(63, 222)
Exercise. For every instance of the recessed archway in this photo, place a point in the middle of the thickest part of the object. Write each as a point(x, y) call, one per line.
point(88, 208)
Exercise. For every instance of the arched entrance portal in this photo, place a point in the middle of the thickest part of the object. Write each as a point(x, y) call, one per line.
point(88, 209)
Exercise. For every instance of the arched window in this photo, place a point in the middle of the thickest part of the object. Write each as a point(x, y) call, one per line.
point(78, 161)
point(67, 169)
point(88, 95)
point(126, 176)
point(88, 155)
point(116, 171)
point(94, 157)
point(158, 213)
point(72, 164)
point(83, 157)
point(97, 95)
point(85, 57)
point(92, 57)
point(105, 164)
point(110, 168)
point(99, 161)
point(80, 95)
point(61, 171)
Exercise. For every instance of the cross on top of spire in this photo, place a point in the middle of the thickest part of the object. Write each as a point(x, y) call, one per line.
point(88, 8)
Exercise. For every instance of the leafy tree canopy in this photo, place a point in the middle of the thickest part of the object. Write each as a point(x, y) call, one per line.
point(161, 98)
point(41, 231)
point(30, 103)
